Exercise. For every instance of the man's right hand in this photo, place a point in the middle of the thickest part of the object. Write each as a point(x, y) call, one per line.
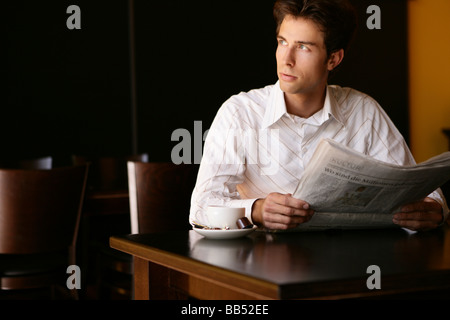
point(280, 212)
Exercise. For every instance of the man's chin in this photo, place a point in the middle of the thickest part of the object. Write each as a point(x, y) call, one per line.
point(288, 88)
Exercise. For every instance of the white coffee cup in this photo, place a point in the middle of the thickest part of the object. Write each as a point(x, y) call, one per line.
point(224, 217)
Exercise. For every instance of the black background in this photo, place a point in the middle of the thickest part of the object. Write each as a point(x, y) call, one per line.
point(69, 91)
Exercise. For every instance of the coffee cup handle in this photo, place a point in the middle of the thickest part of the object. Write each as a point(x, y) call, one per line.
point(201, 219)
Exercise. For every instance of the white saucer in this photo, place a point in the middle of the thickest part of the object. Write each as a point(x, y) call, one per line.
point(224, 234)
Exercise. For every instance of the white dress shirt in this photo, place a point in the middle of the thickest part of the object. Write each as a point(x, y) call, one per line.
point(254, 147)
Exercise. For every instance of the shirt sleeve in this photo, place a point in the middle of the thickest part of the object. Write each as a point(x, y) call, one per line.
point(387, 144)
point(222, 167)
point(438, 196)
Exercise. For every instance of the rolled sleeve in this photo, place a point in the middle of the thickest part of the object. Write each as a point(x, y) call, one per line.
point(438, 196)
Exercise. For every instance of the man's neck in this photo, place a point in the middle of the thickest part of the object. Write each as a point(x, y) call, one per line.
point(304, 105)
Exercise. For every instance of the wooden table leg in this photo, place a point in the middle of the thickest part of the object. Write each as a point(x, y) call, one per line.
point(141, 279)
point(152, 281)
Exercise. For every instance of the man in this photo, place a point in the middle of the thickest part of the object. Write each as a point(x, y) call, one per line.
point(261, 141)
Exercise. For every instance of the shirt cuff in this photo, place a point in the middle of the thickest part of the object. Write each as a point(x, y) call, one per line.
point(445, 213)
point(440, 198)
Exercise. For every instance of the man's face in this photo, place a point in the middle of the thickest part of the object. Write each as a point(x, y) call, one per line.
point(302, 62)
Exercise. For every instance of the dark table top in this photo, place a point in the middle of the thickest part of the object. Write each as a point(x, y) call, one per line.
point(322, 258)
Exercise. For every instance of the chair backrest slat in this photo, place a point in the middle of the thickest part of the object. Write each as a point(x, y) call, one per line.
point(40, 209)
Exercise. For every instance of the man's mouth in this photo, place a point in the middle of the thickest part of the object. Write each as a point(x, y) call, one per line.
point(287, 77)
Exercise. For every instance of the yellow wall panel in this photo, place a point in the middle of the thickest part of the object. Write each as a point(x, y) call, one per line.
point(429, 80)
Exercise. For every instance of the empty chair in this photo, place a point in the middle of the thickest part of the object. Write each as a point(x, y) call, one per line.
point(42, 163)
point(108, 172)
point(160, 194)
point(106, 212)
point(39, 218)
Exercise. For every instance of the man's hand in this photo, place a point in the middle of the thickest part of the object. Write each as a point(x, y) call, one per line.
point(420, 216)
point(280, 212)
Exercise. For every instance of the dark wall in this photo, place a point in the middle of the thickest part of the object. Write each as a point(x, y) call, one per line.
point(68, 91)
point(377, 62)
point(192, 56)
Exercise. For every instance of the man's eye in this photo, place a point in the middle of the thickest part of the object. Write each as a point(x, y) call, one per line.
point(282, 42)
point(303, 47)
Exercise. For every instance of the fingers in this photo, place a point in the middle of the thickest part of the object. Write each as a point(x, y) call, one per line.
point(285, 204)
point(282, 211)
point(426, 205)
point(416, 225)
point(419, 216)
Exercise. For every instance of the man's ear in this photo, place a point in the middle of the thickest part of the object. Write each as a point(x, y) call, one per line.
point(335, 59)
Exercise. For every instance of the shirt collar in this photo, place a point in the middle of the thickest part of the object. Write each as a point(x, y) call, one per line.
point(276, 108)
point(332, 108)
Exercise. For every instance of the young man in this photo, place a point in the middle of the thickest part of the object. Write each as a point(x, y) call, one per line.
point(261, 141)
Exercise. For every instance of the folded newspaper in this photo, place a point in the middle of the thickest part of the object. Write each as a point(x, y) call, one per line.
point(349, 190)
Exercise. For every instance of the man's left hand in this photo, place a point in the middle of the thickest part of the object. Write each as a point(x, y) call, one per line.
point(420, 216)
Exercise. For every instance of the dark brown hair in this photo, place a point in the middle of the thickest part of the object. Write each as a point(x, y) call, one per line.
point(335, 18)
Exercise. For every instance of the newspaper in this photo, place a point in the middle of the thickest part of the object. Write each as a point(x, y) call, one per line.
point(348, 189)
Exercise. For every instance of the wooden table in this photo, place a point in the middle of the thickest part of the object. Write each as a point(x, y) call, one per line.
point(310, 265)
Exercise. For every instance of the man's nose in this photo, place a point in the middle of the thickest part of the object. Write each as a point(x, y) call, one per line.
point(289, 57)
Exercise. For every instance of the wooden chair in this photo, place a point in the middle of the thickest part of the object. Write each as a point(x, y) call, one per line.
point(108, 173)
point(43, 163)
point(39, 218)
point(160, 194)
point(106, 212)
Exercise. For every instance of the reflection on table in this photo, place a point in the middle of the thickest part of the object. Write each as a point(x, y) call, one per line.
point(330, 264)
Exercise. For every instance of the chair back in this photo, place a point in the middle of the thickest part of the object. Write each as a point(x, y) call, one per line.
point(160, 194)
point(40, 209)
point(108, 172)
point(43, 163)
